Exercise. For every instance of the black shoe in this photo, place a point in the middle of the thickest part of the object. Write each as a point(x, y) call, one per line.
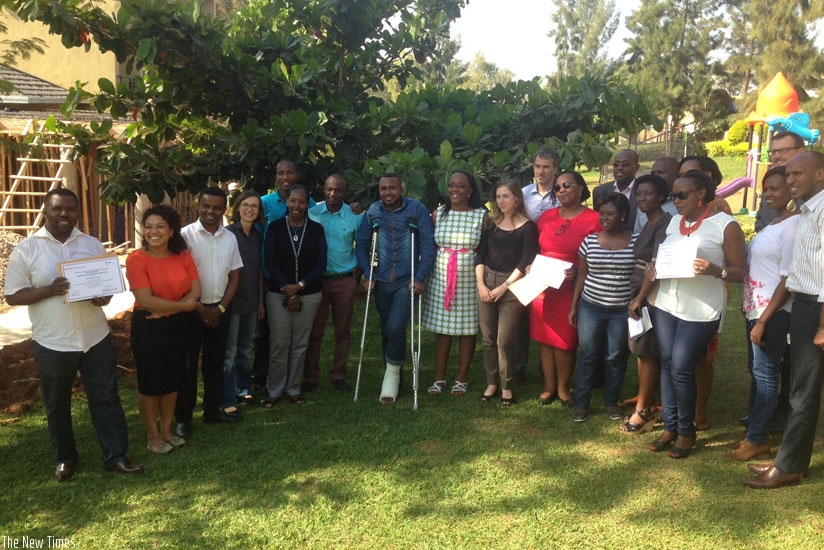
point(614, 412)
point(340, 385)
point(64, 471)
point(579, 415)
point(222, 417)
point(308, 386)
point(184, 429)
point(125, 466)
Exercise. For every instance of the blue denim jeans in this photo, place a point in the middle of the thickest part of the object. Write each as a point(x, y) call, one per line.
point(602, 340)
point(98, 371)
point(237, 367)
point(682, 344)
point(764, 363)
point(392, 301)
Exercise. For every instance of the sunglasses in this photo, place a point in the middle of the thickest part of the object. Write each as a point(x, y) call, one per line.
point(565, 185)
point(682, 196)
point(563, 226)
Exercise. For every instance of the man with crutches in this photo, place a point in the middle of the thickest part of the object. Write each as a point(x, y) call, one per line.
point(396, 218)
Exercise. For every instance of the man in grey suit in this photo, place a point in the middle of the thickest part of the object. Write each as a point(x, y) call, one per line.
point(624, 167)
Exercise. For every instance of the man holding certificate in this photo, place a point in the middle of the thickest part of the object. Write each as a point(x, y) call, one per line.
point(68, 337)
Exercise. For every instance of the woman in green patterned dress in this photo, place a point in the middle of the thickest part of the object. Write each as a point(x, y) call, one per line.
point(450, 303)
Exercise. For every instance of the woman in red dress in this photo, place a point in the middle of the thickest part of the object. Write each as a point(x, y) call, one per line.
point(560, 232)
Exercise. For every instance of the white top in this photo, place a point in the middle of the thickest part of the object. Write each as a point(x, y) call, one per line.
point(56, 325)
point(806, 275)
point(701, 298)
point(215, 256)
point(769, 257)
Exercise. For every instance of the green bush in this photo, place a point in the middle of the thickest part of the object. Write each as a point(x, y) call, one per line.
point(723, 148)
point(738, 132)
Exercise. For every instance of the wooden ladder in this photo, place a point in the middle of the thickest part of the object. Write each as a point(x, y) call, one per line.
point(25, 185)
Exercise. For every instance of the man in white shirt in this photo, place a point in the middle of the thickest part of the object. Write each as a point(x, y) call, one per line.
point(539, 196)
point(69, 337)
point(624, 167)
point(217, 257)
point(805, 177)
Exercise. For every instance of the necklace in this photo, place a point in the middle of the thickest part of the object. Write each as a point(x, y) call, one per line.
point(293, 240)
point(687, 231)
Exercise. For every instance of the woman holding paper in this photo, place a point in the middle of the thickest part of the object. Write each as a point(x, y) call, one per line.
point(450, 302)
point(508, 244)
point(166, 287)
point(650, 193)
point(599, 306)
point(767, 305)
point(560, 233)
point(688, 307)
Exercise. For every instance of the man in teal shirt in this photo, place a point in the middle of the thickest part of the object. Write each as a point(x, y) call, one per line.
point(339, 284)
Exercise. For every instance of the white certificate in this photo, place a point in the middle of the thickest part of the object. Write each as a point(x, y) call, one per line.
point(92, 277)
point(675, 260)
point(545, 272)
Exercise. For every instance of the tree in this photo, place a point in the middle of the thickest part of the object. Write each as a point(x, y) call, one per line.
point(581, 30)
point(482, 75)
point(767, 37)
point(672, 52)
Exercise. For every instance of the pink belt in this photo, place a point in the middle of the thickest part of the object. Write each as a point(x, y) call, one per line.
point(451, 274)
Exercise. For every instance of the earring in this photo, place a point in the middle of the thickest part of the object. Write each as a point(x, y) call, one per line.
point(700, 203)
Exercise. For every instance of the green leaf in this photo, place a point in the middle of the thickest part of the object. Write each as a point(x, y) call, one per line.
point(106, 86)
point(446, 150)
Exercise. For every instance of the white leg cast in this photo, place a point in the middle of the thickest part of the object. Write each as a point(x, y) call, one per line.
point(391, 382)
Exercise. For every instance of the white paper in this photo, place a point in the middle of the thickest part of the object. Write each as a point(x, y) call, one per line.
point(545, 272)
point(641, 325)
point(92, 277)
point(675, 260)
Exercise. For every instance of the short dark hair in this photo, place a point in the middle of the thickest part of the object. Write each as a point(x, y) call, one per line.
point(546, 152)
point(177, 243)
point(620, 201)
point(338, 176)
point(261, 219)
point(701, 181)
point(634, 154)
point(655, 180)
point(707, 165)
point(63, 192)
point(392, 175)
point(579, 179)
point(297, 187)
point(215, 192)
point(798, 141)
point(774, 171)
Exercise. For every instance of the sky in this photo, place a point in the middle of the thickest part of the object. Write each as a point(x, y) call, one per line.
point(512, 34)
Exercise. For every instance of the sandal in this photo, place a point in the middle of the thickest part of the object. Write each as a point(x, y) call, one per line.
point(460, 388)
point(249, 399)
point(681, 452)
point(648, 419)
point(271, 402)
point(297, 400)
point(161, 448)
point(437, 387)
point(508, 401)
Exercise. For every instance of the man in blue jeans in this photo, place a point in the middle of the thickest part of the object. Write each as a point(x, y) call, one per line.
point(396, 219)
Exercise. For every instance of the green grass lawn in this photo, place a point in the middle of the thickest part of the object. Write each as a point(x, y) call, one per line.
point(456, 473)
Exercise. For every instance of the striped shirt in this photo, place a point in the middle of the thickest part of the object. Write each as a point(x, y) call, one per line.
point(608, 272)
point(806, 275)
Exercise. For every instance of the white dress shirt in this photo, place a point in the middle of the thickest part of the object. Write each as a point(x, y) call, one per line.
point(806, 273)
point(215, 256)
point(55, 324)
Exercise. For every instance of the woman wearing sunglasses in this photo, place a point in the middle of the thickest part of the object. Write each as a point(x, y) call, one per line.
point(560, 233)
point(688, 309)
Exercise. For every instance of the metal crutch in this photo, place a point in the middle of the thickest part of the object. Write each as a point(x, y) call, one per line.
point(416, 352)
point(373, 263)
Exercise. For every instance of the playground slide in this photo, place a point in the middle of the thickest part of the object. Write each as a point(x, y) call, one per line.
point(733, 187)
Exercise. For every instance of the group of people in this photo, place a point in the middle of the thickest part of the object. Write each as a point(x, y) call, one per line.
point(248, 303)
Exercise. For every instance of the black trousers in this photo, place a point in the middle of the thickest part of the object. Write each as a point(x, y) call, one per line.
point(212, 343)
point(806, 377)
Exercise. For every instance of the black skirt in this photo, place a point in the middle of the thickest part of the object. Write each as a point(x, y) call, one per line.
point(160, 348)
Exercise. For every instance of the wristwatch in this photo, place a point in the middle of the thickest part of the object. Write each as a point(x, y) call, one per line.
point(301, 285)
point(723, 273)
point(221, 308)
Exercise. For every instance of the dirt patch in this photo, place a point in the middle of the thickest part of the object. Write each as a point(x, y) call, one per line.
point(20, 379)
point(8, 241)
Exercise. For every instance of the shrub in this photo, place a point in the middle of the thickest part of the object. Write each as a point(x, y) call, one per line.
point(738, 132)
point(723, 148)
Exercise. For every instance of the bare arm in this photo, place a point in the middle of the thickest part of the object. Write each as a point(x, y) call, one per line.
point(29, 296)
point(779, 298)
point(583, 269)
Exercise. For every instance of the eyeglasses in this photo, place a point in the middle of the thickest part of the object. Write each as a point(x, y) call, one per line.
point(250, 206)
point(783, 150)
point(563, 226)
point(565, 185)
point(682, 196)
